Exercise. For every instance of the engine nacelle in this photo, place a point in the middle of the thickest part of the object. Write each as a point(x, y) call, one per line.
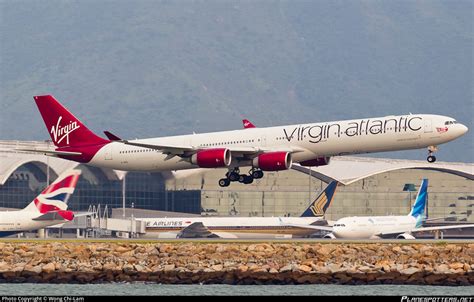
point(405, 236)
point(320, 161)
point(273, 161)
point(329, 236)
point(212, 158)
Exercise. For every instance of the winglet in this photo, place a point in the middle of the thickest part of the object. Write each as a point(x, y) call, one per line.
point(112, 136)
point(248, 124)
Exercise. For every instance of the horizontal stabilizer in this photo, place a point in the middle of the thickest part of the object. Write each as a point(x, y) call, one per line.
point(112, 136)
point(56, 215)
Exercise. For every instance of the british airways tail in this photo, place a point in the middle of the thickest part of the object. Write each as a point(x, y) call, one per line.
point(319, 206)
point(64, 128)
point(418, 208)
point(53, 199)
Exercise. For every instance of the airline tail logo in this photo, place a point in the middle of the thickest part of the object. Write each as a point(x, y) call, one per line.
point(320, 205)
point(59, 132)
point(55, 196)
point(442, 130)
point(248, 124)
point(420, 203)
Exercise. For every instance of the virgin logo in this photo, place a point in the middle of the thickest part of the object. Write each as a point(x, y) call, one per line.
point(62, 132)
point(246, 124)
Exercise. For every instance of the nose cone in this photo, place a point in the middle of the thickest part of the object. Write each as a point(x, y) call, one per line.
point(462, 129)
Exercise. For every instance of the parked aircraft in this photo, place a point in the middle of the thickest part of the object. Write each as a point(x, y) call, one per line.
point(47, 209)
point(260, 149)
point(373, 227)
point(242, 227)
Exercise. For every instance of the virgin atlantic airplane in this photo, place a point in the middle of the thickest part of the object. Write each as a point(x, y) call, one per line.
point(260, 149)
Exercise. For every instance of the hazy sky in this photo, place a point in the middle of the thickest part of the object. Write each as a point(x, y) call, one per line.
point(156, 68)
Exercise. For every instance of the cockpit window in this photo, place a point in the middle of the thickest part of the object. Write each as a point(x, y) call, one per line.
point(450, 122)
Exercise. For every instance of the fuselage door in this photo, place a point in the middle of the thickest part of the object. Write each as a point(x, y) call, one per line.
point(108, 152)
point(428, 125)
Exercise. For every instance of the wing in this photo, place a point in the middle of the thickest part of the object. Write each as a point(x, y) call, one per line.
point(196, 230)
point(310, 226)
point(237, 151)
point(444, 227)
point(427, 229)
point(50, 152)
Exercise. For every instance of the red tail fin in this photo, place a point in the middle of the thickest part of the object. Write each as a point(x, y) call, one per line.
point(65, 129)
point(248, 124)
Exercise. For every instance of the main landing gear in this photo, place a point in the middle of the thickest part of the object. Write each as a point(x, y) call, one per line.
point(234, 175)
point(431, 158)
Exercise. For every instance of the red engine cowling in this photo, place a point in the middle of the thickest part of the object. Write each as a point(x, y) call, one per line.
point(212, 158)
point(320, 161)
point(274, 161)
point(67, 215)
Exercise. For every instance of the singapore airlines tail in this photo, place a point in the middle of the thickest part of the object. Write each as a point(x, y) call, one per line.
point(319, 206)
point(64, 128)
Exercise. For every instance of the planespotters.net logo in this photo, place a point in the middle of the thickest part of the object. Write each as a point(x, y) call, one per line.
point(60, 133)
point(436, 299)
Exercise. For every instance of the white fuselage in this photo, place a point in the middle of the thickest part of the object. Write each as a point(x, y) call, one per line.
point(370, 227)
point(388, 133)
point(232, 227)
point(21, 221)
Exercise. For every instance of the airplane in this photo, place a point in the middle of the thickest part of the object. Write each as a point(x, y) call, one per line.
point(47, 209)
point(376, 227)
point(260, 149)
point(247, 124)
point(242, 227)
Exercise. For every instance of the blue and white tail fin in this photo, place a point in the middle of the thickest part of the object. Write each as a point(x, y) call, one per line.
point(418, 209)
point(319, 206)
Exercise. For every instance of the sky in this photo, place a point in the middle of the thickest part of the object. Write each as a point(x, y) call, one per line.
point(156, 68)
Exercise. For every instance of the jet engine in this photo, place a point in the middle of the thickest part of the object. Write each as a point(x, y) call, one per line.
point(212, 158)
point(273, 161)
point(316, 162)
point(405, 236)
point(329, 236)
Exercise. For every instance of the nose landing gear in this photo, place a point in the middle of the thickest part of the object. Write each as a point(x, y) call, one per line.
point(431, 158)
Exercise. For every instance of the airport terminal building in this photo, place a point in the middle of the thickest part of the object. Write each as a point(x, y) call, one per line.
point(370, 186)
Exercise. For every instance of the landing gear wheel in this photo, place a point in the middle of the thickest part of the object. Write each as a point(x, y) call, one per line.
point(233, 176)
point(257, 174)
point(431, 158)
point(224, 182)
point(246, 179)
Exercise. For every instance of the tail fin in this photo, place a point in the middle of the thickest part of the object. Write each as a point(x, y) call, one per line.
point(55, 196)
point(65, 129)
point(418, 208)
point(319, 206)
point(247, 124)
